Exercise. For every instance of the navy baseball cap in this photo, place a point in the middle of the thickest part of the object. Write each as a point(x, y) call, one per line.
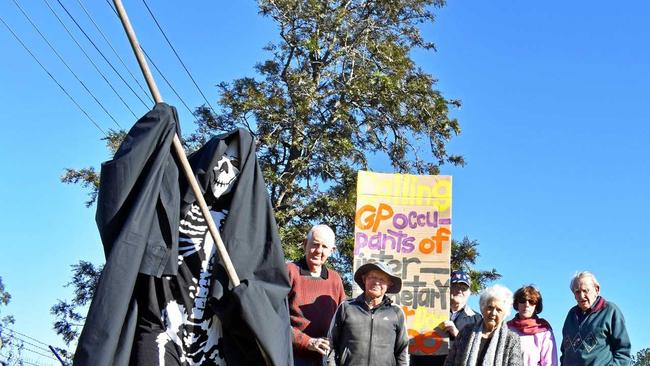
point(460, 276)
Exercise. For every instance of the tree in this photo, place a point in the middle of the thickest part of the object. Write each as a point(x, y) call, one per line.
point(10, 347)
point(463, 256)
point(5, 298)
point(338, 93)
point(69, 318)
point(642, 358)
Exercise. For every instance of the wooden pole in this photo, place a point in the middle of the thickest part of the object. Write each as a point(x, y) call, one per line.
point(178, 148)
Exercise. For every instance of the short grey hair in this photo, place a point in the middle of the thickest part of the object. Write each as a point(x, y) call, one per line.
point(499, 293)
point(580, 275)
point(327, 232)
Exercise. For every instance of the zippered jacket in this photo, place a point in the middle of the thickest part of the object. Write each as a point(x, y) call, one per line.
point(360, 336)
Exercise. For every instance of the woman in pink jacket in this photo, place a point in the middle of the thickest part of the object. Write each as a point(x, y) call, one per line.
point(536, 336)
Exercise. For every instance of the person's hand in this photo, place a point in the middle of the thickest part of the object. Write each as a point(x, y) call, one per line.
point(450, 327)
point(320, 345)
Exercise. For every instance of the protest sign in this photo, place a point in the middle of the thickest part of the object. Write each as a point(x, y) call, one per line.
point(405, 221)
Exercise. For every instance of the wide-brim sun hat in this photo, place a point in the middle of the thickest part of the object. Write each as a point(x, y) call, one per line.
point(361, 271)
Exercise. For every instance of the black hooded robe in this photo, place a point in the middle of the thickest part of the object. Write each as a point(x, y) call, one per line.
point(139, 204)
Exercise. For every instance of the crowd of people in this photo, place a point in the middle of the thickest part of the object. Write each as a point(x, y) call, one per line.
point(329, 329)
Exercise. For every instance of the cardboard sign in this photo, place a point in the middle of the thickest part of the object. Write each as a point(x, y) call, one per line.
point(405, 221)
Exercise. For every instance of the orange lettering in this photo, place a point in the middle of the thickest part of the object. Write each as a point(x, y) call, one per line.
point(427, 343)
point(372, 220)
point(367, 222)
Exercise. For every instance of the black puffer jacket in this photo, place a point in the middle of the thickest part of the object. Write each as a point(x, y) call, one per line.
point(360, 336)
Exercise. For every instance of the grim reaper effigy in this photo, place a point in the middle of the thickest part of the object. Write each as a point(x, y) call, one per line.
point(164, 297)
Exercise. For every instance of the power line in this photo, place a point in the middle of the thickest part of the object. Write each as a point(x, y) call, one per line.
point(26, 336)
point(66, 64)
point(114, 51)
point(166, 81)
point(89, 59)
point(38, 353)
point(156, 67)
point(177, 55)
point(101, 53)
point(31, 362)
point(18, 357)
point(52, 77)
point(23, 340)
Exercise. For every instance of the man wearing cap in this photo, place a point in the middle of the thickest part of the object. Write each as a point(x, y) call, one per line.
point(315, 294)
point(460, 315)
point(370, 330)
point(594, 331)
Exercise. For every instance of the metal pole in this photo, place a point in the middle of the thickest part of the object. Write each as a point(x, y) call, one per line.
point(178, 148)
point(57, 355)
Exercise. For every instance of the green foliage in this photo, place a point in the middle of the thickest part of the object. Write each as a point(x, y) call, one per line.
point(10, 346)
point(642, 358)
point(5, 298)
point(338, 93)
point(88, 177)
point(463, 256)
point(69, 320)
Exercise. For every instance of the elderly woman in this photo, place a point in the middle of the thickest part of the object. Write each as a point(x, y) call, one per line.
point(535, 334)
point(370, 329)
point(490, 342)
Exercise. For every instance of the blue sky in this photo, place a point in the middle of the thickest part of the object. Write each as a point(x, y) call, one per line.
point(554, 119)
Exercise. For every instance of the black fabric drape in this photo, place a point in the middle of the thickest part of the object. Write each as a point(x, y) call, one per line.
point(138, 209)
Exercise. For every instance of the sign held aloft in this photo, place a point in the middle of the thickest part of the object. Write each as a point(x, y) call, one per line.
point(404, 221)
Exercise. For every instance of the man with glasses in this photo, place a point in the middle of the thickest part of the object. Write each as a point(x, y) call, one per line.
point(315, 294)
point(594, 331)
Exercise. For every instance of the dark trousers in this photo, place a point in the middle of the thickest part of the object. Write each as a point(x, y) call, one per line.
point(427, 360)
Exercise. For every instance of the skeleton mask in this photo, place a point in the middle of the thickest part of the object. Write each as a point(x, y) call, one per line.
point(226, 171)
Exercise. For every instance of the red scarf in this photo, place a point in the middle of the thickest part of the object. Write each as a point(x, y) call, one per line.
point(529, 326)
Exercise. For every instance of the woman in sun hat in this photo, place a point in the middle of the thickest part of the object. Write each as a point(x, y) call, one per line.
point(370, 329)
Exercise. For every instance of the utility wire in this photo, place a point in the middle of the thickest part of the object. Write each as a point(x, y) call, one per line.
point(101, 53)
point(18, 358)
point(52, 77)
point(166, 81)
point(22, 360)
point(177, 55)
point(23, 340)
point(156, 67)
point(65, 63)
point(38, 353)
point(25, 335)
point(89, 59)
point(31, 362)
point(114, 51)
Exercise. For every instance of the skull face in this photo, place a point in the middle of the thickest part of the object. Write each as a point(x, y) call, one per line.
point(225, 174)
